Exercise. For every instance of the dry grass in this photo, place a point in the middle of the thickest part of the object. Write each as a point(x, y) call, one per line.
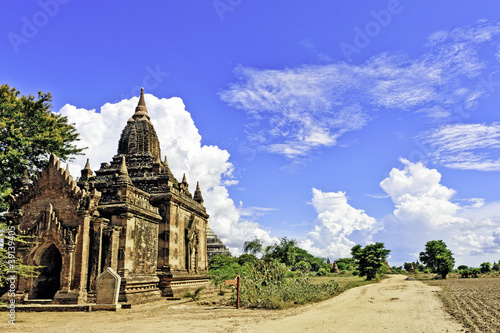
point(345, 282)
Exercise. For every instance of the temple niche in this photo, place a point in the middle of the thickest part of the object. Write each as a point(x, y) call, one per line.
point(131, 214)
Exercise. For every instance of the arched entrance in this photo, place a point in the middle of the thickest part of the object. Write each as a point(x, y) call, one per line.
point(49, 280)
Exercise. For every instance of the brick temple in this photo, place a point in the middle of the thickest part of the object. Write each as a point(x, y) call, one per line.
point(131, 214)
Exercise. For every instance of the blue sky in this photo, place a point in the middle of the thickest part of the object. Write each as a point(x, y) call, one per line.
point(330, 122)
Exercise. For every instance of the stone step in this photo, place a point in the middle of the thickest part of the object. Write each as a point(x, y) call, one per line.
point(38, 301)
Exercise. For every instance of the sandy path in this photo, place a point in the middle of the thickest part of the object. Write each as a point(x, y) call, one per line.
point(394, 305)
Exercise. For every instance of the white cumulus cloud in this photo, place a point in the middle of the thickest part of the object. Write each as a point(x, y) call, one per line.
point(424, 211)
point(339, 226)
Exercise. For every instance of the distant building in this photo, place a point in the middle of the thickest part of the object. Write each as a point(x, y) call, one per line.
point(132, 215)
point(215, 245)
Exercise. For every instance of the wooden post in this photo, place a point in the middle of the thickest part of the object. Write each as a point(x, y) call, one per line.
point(238, 292)
point(237, 283)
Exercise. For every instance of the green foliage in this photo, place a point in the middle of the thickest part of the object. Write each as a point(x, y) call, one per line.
point(253, 247)
point(315, 267)
point(264, 285)
point(322, 272)
point(417, 267)
point(438, 258)
point(370, 259)
point(29, 132)
point(194, 296)
point(302, 266)
point(244, 258)
point(398, 270)
point(485, 267)
point(346, 264)
point(462, 267)
point(10, 238)
point(496, 267)
point(223, 268)
point(469, 272)
point(284, 252)
point(474, 272)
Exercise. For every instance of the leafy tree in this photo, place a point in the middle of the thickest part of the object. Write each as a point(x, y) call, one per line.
point(284, 252)
point(438, 257)
point(222, 267)
point(244, 258)
point(370, 259)
point(253, 247)
point(485, 267)
point(29, 132)
point(462, 267)
point(496, 267)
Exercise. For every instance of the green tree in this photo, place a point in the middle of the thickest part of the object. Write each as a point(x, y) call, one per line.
point(221, 268)
point(438, 257)
point(284, 252)
point(496, 267)
point(485, 267)
point(370, 259)
point(253, 247)
point(29, 133)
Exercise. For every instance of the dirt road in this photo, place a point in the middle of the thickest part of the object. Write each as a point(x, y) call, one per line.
point(394, 305)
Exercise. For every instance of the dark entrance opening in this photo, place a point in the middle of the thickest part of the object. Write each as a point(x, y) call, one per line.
point(49, 280)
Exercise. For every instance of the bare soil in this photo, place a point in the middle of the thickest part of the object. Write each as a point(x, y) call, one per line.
point(393, 305)
point(473, 302)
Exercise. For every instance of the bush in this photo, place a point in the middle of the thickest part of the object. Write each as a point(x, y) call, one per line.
point(303, 266)
point(195, 296)
point(322, 272)
point(264, 286)
point(315, 267)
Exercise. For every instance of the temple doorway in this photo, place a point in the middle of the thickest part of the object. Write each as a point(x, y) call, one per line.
point(49, 281)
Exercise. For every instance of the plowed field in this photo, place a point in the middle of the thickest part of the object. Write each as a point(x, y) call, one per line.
point(473, 302)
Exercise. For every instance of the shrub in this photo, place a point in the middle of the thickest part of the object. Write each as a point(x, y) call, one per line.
point(322, 272)
point(315, 267)
point(195, 296)
point(303, 266)
point(474, 272)
point(264, 285)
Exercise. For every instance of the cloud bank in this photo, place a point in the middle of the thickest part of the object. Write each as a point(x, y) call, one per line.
point(180, 141)
point(295, 111)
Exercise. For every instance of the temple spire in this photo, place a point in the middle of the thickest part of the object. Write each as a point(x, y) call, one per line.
point(86, 173)
point(87, 165)
point(197, 194)
point(123, 176)
point(123, 168)
point(141, 111)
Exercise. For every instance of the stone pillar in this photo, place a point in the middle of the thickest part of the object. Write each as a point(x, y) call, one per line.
point(95, 252)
